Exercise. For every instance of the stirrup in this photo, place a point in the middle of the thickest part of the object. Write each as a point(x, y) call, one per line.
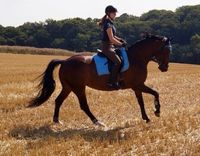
point(114, 85)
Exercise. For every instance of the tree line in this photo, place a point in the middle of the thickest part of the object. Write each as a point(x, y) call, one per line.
point(79, 35)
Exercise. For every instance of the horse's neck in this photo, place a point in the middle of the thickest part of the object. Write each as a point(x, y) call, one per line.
point(139, 56)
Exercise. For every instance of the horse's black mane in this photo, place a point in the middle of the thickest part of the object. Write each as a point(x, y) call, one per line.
point(146, 38)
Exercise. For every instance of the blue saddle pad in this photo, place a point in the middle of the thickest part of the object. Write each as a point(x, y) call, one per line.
point(102, 63)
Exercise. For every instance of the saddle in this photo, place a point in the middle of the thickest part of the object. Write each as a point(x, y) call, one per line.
point(110, 62)
point(105, 65)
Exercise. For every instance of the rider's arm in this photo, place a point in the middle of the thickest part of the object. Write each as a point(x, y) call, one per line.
point(112, 38)
point(118, 38)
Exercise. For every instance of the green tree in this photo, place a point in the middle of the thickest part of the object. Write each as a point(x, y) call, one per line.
point(85, 35)
point(195, 46)
point(3, 41)
point(58, 43)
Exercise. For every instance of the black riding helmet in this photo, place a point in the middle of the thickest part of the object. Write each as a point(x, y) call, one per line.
point(110, 9)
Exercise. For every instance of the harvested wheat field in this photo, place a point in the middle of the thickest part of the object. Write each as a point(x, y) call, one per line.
point(25, 131)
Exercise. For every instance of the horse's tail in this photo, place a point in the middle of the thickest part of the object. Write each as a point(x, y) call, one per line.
point(46, 86)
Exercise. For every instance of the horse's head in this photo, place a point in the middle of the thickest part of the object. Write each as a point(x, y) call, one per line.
point(162, 52)
point(152, 47)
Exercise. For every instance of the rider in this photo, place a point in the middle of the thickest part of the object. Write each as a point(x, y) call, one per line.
point(110, 40)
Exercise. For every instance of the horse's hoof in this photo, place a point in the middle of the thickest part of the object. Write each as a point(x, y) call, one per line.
point(100, 124)
point(157, 114)
point(61, 123)
point(58, 122)
point(148, 121)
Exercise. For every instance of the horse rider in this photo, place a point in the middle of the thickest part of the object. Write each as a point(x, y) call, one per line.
point(109, 41)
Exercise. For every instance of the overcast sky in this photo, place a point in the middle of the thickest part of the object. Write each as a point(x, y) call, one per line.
point(17, 12)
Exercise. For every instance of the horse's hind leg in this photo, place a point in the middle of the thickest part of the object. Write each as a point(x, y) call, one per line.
point(80, 93)
point(58, 102)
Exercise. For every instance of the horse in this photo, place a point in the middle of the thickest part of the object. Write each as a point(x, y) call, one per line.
point(79, 71)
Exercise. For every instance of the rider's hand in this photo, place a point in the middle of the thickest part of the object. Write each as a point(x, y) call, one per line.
point(124, 44)
point(122, 40)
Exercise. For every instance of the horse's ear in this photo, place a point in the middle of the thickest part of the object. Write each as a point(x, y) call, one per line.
point(145, 35)
point(171, 39)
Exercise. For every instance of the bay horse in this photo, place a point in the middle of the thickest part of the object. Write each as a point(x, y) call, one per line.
point(79, 71)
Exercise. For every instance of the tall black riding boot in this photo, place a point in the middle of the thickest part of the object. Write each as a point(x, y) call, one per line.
point(113, 79)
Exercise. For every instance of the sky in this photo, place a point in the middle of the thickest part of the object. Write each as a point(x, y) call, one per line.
point(17, 12)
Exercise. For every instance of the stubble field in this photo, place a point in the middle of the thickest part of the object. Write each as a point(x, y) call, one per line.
point(25, 131)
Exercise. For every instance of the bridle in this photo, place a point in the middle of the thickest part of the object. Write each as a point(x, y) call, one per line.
point(166, 45)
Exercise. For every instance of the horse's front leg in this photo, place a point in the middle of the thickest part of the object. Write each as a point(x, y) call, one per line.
point(141, 103)
point(148, 90)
